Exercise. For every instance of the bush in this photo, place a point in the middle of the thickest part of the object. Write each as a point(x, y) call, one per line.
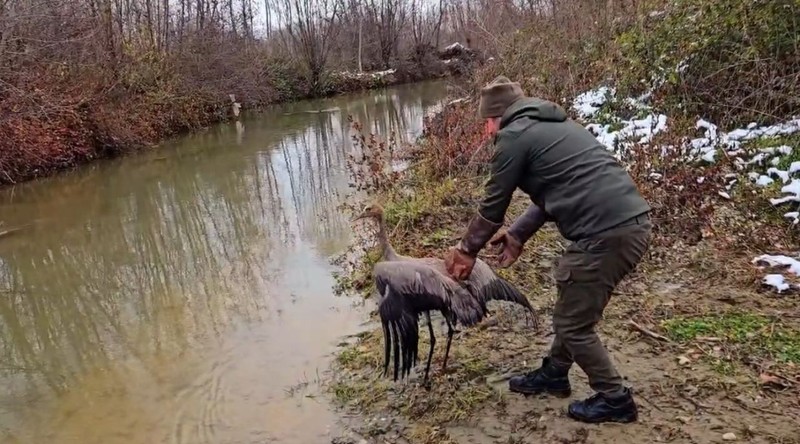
point(734, 61)
point(558, 56)
point(453, 142)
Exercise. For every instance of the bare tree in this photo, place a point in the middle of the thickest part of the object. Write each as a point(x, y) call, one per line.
point(310, 26)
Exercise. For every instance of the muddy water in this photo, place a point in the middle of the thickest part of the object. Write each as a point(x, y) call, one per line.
point(184, 295)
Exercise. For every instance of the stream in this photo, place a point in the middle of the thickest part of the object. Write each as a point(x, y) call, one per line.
point(184, 294)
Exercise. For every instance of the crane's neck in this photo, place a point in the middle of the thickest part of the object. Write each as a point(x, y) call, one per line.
point(387, 252)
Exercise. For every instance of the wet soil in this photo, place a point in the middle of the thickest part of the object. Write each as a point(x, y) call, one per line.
point(705, 390)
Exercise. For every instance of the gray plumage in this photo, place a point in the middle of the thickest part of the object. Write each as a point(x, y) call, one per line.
point(410, 286)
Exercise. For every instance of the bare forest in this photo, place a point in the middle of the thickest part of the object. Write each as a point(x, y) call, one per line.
point(86, 79)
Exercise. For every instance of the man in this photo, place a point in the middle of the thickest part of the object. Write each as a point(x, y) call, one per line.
point(576, 183)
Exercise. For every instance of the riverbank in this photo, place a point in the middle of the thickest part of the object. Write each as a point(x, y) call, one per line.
point(707, 331)
point(33, 146)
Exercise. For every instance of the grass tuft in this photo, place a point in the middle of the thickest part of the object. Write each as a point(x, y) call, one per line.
point(754, 335)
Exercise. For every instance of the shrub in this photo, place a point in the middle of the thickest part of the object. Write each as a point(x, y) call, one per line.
point(453, 142)
point(734, 61)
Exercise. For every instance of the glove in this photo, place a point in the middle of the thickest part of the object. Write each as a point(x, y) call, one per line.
point(510, 248)
point(461, 259)
point(459, 264)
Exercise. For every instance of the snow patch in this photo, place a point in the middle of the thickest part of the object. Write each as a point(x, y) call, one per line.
point(792, 264)
point(455, 46)
point(362, 75)
point(588, 103)
point(762, 167)
point(621, 133)
point(777, 281)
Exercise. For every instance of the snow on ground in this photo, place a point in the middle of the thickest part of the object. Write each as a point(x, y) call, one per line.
point(361, 75)
point(761, 166)
point(455, 46)
point(777, 280)
point(616, 133)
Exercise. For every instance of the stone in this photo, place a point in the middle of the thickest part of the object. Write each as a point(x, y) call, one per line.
point(729, 437)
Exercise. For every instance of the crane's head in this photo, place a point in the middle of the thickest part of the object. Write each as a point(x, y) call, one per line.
point(373, 210)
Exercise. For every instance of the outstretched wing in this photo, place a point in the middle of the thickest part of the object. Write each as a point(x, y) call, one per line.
point(409, 288)
point(487, 285)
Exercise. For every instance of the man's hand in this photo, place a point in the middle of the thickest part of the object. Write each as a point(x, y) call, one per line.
point(459, 264)
point(509, 248)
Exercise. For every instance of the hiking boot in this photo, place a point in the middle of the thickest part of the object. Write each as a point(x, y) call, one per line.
point(602, 408)
point(547, 378)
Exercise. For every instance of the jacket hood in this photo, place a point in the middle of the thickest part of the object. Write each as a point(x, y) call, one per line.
point(533, 107)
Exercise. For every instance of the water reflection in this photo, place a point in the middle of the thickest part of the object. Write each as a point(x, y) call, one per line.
point(182, 264)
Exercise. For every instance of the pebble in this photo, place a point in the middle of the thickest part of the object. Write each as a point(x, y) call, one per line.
point(729, 437)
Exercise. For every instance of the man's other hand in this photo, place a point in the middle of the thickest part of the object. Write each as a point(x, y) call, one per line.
point(508, 248)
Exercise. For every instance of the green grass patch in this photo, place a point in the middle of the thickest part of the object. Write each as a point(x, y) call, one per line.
point(451, 402)
point(753, 334)
point(426, 200)
point(438, 238)
point(754, 146)
point(360, 392)
point(709, 54)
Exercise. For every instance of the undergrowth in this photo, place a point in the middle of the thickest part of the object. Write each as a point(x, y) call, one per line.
point(734, 61)
point(752, 335)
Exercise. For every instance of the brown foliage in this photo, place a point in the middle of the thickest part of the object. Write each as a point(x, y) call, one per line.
point(454, 143)
point(559, 49)
point(79, 80)
point(683, 195)
point(371, 162)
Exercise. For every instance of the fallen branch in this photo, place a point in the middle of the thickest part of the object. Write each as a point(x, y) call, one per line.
point(647, 332)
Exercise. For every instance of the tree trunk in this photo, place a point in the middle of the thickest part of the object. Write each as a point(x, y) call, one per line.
point(360, 43)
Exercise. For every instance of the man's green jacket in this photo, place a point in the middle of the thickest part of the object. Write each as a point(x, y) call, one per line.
point(564, 169)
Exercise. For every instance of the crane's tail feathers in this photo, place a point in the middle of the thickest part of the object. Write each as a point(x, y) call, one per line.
point(386, 346)
point(401, 338)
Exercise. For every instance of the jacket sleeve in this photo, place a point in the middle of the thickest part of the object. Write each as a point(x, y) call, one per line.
point(506, 166)
point(528, 223)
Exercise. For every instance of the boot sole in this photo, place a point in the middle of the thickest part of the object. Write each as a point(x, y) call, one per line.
point(625, 420)
point(556, 393)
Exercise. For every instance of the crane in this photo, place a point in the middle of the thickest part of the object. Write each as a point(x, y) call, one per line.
point(410, 286)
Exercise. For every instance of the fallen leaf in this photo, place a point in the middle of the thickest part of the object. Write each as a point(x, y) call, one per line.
point(767, 379)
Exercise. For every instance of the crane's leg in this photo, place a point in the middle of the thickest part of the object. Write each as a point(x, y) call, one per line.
point(430, 352)
point(450, 333)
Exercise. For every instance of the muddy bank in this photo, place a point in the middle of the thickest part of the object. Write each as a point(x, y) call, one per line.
point(42, 144)
point(687, 390)
point(710, 354)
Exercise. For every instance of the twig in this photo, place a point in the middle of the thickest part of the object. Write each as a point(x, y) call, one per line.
point(647, 332)
point(699, 405)
point(754, 408)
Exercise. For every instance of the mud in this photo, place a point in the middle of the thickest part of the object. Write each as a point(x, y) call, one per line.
point(701, 391)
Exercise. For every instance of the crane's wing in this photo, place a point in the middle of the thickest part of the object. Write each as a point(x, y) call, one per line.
point(409, 288)
point(487, 285)
point(483, 283)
